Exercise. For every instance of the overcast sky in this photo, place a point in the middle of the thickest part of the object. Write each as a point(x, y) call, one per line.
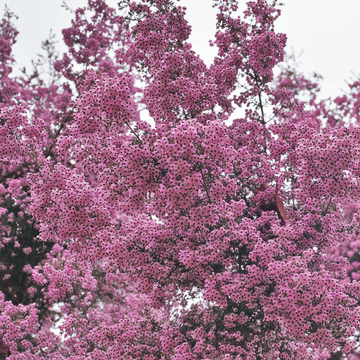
point(327, 31)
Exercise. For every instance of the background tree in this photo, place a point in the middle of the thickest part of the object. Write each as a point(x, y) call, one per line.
point(115, 221)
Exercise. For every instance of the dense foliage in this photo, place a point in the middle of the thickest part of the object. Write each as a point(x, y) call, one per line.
point(109, 225)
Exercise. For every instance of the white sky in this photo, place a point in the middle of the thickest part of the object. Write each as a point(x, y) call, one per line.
point(327, 32)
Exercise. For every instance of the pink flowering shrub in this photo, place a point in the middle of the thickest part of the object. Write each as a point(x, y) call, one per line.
point(109, 225)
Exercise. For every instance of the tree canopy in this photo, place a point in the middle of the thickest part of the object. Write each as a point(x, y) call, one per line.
point(110, 225)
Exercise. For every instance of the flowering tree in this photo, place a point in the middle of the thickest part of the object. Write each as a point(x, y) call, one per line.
point(109, 225)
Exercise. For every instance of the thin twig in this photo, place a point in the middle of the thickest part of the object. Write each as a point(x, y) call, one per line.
point(327, 207)
point(260, 101)
point(205, 187)
point(133, 132)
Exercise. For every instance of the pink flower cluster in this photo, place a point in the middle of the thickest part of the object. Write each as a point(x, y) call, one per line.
point(108, 224)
